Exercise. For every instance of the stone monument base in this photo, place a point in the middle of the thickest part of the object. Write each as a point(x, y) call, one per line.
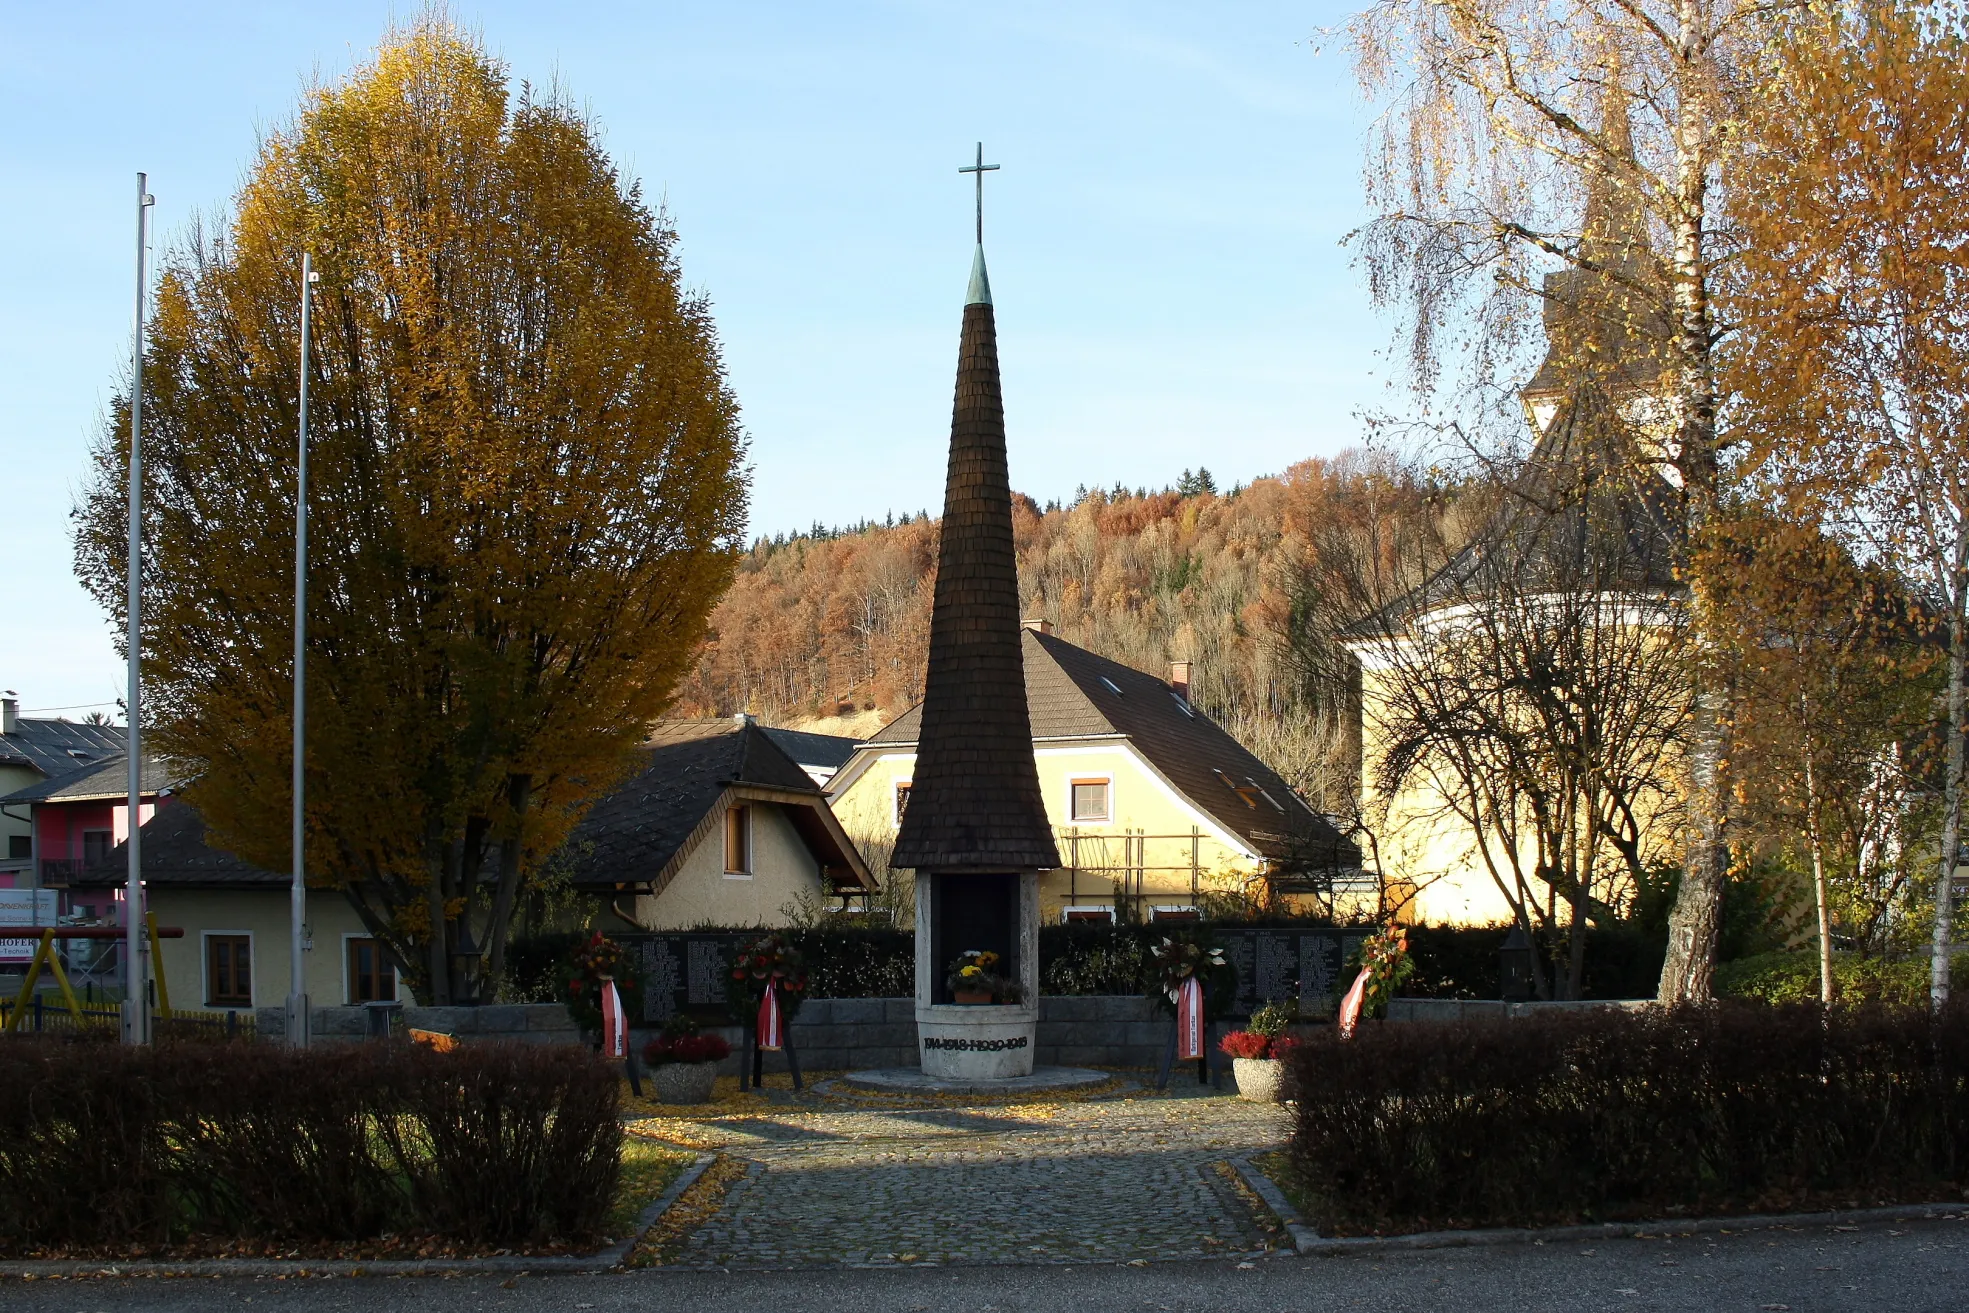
point(909, 1080)
point(982, 1041)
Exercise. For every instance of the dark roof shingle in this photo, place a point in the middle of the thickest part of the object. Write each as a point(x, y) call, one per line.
point(1075, 694)
point(975, 804)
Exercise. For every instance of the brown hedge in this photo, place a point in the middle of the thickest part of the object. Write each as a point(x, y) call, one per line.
point(1630, 1114)
point(106, 1145)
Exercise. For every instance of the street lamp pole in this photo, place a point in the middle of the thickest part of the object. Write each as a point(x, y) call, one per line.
point(137, 964)
point(298, 1015)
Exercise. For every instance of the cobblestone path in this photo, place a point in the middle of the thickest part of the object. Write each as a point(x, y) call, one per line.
point(1132, 1177)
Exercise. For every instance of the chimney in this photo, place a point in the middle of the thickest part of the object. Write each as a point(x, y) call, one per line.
point(1038, 625)
point(742, 718)
point(10, 713)
point(1179, 678)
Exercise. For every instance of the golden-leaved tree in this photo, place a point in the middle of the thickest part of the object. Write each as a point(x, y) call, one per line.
point(1853, 296)
point(525, 493)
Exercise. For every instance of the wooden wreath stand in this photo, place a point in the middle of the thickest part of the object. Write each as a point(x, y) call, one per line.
point(1204, 1074)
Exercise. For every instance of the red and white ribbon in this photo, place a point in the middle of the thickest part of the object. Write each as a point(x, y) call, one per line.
point(615, 1026)
point(1350, 1006)
point(1189, 1019)
point(771, 1029)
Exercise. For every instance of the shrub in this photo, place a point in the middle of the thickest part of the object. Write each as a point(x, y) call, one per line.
point(1612, 1114)
point(1246, 1044)
point(102, 1145)
point(1793, 977)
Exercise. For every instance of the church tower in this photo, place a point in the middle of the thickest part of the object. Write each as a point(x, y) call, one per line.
point(975, 829)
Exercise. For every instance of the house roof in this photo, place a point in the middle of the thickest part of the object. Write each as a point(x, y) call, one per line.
point(175, 853)
point(975, 804)
point(629, 837)
point(638, 833)
point(1074, 694)
point(108, 778)
point(827, 752)
point(57, 747)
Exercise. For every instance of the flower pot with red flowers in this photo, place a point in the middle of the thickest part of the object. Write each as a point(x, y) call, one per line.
point(683, 1062)
point(1256, 1053)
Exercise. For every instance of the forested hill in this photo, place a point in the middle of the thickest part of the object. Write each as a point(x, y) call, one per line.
point(834, 627)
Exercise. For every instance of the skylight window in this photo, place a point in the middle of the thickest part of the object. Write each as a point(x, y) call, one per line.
point(1113, 687)
point(1183, 705)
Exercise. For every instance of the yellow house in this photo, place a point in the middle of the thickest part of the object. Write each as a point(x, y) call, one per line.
point(1150, 801)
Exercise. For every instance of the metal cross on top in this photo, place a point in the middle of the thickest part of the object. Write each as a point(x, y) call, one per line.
point(980, 169)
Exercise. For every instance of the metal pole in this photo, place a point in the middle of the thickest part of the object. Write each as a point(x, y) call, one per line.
point(136, 1006)
point(298, 1017)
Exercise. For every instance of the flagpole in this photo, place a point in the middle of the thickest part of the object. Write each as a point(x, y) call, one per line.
point(299, 1018)
point(137, 964)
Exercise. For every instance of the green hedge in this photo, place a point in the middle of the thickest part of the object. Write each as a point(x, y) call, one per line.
point(1614, 1114)
point(1793, 977)
point(859, 962)
point(101, 1144)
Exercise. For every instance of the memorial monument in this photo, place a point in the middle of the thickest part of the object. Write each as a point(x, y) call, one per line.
point(974, 829)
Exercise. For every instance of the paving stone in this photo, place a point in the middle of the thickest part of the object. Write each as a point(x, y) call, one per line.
point(855, 1182)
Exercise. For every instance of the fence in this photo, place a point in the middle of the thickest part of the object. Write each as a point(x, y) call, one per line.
point(46, 1014)
point(1129, 871)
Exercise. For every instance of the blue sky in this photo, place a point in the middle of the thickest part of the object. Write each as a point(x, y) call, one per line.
point(1163, 235)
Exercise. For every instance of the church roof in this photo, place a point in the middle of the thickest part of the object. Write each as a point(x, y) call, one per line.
point(975, 803)
point(1591, 501)
point(1076, 694)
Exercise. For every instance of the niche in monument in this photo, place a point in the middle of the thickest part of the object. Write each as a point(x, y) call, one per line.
point(973, 912)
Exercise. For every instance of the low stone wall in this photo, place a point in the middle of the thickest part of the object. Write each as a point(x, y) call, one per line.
point(830, 1034)
point(1452, 1010)
point(535, 1023)
point(855, 1034)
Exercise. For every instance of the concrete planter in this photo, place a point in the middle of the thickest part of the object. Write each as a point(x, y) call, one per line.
point(1258, 1079)
point(684, 1082)
point(969, 1041)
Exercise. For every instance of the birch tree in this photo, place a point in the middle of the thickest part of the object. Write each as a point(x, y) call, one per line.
point(1504, 118)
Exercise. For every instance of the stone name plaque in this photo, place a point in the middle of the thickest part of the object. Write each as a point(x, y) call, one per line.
point(681, 971)
point(1306, 964)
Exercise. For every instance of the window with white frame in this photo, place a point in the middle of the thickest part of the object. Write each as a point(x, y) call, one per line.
point(1091, 798)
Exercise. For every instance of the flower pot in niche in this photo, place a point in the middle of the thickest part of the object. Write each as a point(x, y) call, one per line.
point(971, 996)
point(1258, 1079)
point(684, 1082)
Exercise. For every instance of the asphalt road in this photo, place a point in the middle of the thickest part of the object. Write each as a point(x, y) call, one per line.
point(1911, 1267)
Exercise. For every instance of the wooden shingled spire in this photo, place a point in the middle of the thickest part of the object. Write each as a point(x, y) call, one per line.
point(974, 803)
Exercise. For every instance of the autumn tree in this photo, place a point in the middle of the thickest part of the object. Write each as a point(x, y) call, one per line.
point(1834, 673)
point(525, 487)
point(1852, 367)
point(1505, 120)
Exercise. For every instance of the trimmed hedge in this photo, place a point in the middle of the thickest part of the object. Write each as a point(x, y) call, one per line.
point(856, 962)
point(106, 1145)
point(1611, 1114)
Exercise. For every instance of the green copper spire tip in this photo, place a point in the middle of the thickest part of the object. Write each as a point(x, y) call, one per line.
point(980, 293)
